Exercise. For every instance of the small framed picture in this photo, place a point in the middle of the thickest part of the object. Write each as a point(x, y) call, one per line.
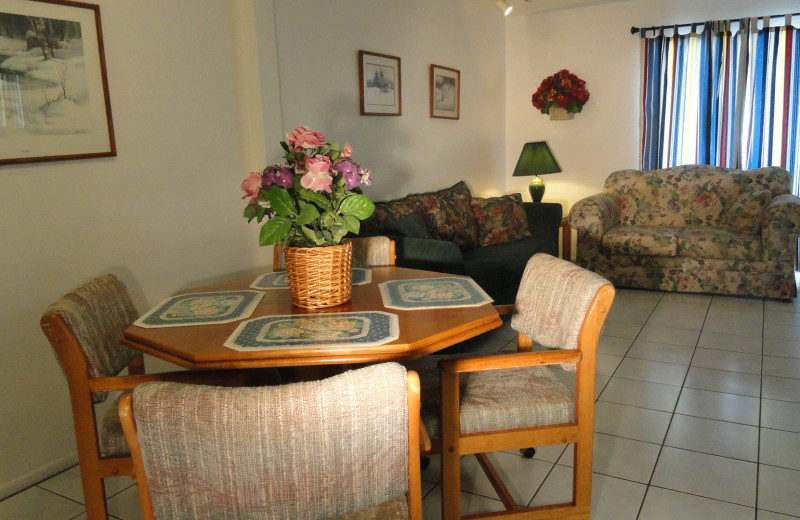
point(379, 84)
point(54, 102)
point(445, 92)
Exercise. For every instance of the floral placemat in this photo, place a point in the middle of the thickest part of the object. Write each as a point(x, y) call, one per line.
point(201, 308)
point(433, 293)
point(339, 329)
point(280, 280)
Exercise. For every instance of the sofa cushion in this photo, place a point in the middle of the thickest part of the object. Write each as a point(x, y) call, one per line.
point(745, 213)
point(719, 243)
point(448, 215)
point(407, 226)
point(500, 219)
point(642, 240)
point(390, 210)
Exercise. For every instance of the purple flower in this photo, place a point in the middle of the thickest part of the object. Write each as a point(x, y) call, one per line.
point(284, 178)
point(349, 173)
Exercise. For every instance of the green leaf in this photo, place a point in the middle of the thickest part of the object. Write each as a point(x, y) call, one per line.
point(352, 224)
point(281, 201)
point(284, 146)
point(338, 233)
point(274, 230)
point(312, 235)
point(317, 198)
point(308, 214)
point(358, 206)
point(250, 212)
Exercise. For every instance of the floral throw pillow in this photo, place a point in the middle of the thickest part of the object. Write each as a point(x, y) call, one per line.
point(448, 215)
point(501, 219)
point(388, 211)
point(745, 214)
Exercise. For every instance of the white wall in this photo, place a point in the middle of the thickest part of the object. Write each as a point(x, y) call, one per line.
point(594, 43)
point(164, 214)
point(196, 104)
point(319, 87)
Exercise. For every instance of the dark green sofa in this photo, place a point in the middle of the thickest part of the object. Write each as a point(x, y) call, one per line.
point(488, 239)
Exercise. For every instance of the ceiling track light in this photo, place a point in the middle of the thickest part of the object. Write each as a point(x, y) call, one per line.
point(503, 6)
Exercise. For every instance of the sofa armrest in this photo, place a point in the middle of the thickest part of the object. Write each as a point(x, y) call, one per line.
point(780, 228)
point(594, 215)
point(591, 218)
point(429, 254)
point(544, 220)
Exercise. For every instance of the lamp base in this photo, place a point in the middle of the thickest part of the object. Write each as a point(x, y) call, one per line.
point(536, 189)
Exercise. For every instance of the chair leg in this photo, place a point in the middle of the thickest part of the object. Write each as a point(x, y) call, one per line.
point(582, 475)
point(94, 494)
point(451, 485)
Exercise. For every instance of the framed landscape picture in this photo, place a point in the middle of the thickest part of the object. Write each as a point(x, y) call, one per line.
point(54, 102)
point(379, 84)
point(445, 92)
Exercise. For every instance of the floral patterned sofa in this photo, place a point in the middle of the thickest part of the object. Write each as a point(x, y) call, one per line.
point(450, 231)
point(693, 228)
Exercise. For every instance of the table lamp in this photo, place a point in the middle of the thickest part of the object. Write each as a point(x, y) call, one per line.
point(536, 159)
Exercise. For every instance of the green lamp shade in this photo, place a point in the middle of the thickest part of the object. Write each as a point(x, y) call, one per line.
point(534, 160)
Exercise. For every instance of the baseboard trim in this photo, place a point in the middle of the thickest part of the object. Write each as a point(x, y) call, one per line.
point(38, 475)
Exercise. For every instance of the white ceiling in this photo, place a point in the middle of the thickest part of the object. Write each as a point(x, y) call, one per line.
point(522, 7)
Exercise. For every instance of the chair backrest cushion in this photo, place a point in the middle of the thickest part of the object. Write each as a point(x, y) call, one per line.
point(553, 299)
point(367, 252)
point(306, 450)
point(97, 313)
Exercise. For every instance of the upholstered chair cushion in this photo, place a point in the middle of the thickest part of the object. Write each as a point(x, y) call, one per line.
point(496, 399)
point(110, 434)
point(371, 251)
point(500, 219)
point(97, 313)
point(312, 450)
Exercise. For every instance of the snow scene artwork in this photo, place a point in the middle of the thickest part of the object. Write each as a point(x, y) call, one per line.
point(445, 92)
point(379, 86)
point(53, 96)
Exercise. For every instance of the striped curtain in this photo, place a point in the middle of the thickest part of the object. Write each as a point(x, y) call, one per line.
point(725, 93)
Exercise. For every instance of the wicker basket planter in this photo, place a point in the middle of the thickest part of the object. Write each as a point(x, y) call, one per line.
point(320, 276)
point(560, 114)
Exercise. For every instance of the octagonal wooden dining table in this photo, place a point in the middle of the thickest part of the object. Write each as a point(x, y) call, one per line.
point(420, 331)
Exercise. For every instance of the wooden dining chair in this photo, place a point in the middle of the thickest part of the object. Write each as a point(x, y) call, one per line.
point(367, 252)
point(342, 447)
point(480, 404)
point(85, 329)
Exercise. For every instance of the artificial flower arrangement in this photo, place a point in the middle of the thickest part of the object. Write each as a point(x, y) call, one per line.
point(563, 89)
point(312, 200)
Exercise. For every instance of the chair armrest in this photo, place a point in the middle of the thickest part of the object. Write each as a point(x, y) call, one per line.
point(512, 360)
point(780, 227)
point(428, 254)
point(117, 383)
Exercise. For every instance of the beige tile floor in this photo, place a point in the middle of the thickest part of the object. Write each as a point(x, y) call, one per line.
point(698, 417)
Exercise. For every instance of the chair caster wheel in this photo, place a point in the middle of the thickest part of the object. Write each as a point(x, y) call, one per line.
point(424, 462)
point(528, 453)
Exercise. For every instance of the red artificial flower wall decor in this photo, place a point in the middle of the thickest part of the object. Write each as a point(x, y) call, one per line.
point(563, 89)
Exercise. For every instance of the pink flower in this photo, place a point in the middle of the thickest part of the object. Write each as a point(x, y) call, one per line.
point(304, 137)
point(251, 185)
point(347, 151)
point(318, 176)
